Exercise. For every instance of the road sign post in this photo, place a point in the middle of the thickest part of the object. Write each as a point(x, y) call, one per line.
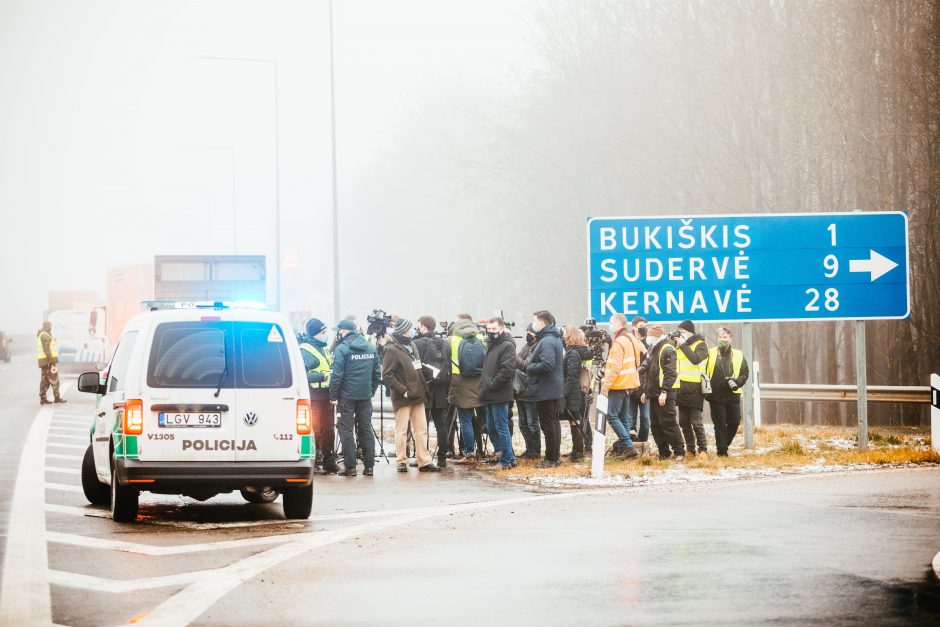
point(747, 347)
point(861, 376)
point(935, 412)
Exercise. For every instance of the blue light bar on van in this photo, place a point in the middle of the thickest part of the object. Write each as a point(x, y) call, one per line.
point(154, 305)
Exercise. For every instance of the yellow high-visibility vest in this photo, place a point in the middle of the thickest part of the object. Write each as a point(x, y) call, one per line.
point(737, 358)
point(325, 364)
point(53, 346)
point(687, 370)
point(675, 385)
point(454, 346)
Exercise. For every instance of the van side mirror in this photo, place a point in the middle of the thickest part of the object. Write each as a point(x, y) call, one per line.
point(91, 383)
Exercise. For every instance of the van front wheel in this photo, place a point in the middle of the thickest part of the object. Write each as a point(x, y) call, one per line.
point(298, 502)
point(96, 492)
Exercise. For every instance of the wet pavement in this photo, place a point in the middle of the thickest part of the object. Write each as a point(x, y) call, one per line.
point(457, 549)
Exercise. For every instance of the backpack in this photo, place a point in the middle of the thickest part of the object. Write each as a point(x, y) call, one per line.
point(436, 355)
point(470, 355)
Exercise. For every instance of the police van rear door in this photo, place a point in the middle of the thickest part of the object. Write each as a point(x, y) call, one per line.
point(191, 413)
point(266, 394)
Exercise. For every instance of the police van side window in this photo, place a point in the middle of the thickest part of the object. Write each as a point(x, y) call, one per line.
point(191, 355)
point(117, 373)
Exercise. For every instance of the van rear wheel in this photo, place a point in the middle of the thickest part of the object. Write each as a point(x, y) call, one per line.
point(124, 500)
point(259, 496)
point(96, 492)
point(298, 502)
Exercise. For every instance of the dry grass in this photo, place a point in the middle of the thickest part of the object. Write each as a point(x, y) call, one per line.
point(778, 447)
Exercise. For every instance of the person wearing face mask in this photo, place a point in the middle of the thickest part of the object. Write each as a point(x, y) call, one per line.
point(402, 373)
point(639, 413)
point(435, 354)
point(728, 372)
point(527, 410)
point(499, 368)
point(318, 361)
point(546, 383)
point(620, 380)
point(692, 354)
point(661, 386)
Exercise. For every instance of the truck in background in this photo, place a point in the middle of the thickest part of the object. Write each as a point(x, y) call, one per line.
point(80, 335)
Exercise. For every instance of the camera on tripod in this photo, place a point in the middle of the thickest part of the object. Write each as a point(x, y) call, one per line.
point(598, 339)
point(379, 322)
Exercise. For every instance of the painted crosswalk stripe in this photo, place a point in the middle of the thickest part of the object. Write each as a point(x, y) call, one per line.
point(64, 487)
point(69, 437)
point(64, 471)
point(159, 551)
point(77, 511)
point(68, 430)
point(103, 584)
point(63, 456)
point(80, 447)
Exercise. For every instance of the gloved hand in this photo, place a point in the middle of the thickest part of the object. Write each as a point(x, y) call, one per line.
point(732, 384)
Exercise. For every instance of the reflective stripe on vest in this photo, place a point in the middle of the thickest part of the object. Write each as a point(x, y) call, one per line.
point(737, 358)
point(53, 346)
point(325, 363)
point(660, 358)
point(688, 371)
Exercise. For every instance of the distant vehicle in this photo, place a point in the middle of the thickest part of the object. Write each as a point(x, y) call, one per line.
point(200, 400)
point(80, 334)
point(6, 350)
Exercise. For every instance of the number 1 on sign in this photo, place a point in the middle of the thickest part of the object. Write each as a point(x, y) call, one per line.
point(832, 233)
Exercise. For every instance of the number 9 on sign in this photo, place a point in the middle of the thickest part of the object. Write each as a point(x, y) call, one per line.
point(830, 299)
point(831, 264)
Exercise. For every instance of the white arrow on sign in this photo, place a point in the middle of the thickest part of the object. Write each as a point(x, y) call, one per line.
point(878, 265)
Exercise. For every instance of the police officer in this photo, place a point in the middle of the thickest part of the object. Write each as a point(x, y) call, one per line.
point(48, 353)
point(662, 384)
point(728, 372)
point(692, 353)
point(318, 362)
point(353, 381)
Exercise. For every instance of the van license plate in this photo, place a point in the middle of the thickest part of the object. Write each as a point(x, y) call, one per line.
point(191, 419)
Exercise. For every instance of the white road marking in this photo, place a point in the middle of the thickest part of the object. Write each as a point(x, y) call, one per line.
point(63, 487)
point(78, 511)
point(160, 551)
point(73, 429)
point(80, 447)
point(64, 456)
point(64, 471)
point(24, 595)
point(119, 586)
point(69, 437)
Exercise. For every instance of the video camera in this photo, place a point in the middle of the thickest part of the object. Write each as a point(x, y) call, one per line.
point(597, 339)
point(379, 321)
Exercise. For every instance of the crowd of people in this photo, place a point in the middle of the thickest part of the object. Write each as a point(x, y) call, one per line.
point(472, 379)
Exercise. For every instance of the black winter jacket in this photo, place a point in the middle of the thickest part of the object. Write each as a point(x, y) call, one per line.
point(436, 388)
point(690, 394)
point(356, 369)
point(574, 397)
point(499, 368)
point(652, 362)
point(545, 377)
point(721, 393)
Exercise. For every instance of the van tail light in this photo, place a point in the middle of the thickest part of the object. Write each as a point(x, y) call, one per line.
point(133, 417)
point(304, 417)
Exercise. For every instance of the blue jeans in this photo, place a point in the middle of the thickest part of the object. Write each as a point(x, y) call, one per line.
point(634, 407)
point(535, 429)
point(466, 430)
point(497, 426)
point(617, 417)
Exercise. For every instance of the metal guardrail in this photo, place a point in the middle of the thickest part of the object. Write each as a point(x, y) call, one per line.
point(844, 393)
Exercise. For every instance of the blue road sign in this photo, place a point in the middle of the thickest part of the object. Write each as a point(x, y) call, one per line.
point(819, 266)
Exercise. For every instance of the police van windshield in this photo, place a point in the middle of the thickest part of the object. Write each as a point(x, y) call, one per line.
point(194, 354)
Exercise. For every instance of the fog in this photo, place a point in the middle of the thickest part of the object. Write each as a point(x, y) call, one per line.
point(472, 142)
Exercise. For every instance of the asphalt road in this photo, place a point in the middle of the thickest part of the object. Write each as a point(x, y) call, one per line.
point(456, 548)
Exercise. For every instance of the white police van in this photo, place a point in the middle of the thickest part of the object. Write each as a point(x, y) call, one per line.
point(200, 400)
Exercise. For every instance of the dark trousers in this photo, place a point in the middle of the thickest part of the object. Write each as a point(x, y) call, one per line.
point(665, 427)
point(551, 428)
point(690, 419)
point(522, 411)
point(355, 421)
point(577, 433)
point(48, 379)
point(438, 415)
point(727, 419)
point(479, 426)
point(324, 431)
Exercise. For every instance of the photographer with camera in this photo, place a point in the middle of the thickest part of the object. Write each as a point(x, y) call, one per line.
point(435, 355)
point(499, 367)
point(661, 383)
point(353, 381)
point(727, 369)
point(467, 355)
point(545, 381)
point(692, 353)
point(402, 373)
